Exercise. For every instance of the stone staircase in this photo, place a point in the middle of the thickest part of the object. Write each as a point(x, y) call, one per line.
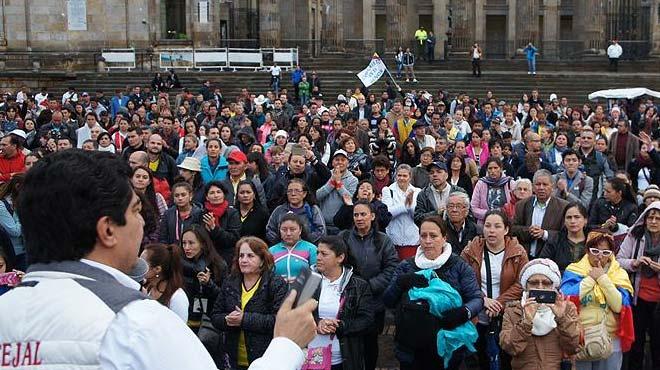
point(507, 79)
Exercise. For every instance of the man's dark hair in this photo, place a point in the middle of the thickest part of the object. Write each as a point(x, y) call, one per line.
point(59, 220)
point(137, 129)
point(91, 114)
point(568, 152)
point(381, 161)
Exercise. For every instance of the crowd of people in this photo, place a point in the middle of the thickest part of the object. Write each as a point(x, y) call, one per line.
point(450, 211)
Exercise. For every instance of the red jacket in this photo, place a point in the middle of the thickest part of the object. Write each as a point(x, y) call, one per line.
point(13, 165)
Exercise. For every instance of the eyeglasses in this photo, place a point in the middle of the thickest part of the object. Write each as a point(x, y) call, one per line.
point(455, 206)
point(600, 252)
point(540, 283)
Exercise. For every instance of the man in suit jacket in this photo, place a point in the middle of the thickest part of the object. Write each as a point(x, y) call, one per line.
point(624, 145)
point(540, 216)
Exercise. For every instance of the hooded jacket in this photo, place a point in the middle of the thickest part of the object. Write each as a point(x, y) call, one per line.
point(632, 248)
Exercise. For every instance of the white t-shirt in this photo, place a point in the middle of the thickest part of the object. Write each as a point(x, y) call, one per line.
point(475, 53)
point(496, 261)
point(179, 304)
point(275, 71)
point(328, 309)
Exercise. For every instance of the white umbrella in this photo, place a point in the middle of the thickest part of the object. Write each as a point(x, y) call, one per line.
point(623, 93)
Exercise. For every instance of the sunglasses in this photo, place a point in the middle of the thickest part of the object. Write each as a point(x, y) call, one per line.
point(600, 252)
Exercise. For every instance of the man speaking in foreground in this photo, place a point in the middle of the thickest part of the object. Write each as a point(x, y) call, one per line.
point(76, 307)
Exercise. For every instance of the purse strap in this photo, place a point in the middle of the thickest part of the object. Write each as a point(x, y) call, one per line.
point(489, 278)
point(342, 300)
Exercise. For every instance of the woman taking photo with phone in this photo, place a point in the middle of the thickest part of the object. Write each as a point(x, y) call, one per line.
point(602, 289)
point(539, 334)
point(248, 302)
point(344, 314)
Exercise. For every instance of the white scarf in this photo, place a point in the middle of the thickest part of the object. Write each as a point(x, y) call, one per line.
point(424, 263)
point(544, 319)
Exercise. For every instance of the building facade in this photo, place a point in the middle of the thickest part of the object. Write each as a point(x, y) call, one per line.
point(502, 27)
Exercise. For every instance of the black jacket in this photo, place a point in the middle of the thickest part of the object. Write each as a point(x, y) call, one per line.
point(374, 258)
point(315, 175)
point(557, 249)
point(194, 289)
point(469, 232)
point(226, 234)
point(255, 223)
point(634, 167)
point(166, 169)
point(344, 217)
point(356, 317)
point(625, 212)
point(168, 224)
point(426, 205)
point(258, 314)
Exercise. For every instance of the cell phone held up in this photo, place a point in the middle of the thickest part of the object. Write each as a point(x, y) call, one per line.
point(9, 278)
point(543, 296)
point(305, 284)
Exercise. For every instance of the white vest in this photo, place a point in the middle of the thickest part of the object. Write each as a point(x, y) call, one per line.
point(58, 317)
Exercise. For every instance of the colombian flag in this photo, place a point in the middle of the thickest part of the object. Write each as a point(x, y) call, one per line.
point(570, 286)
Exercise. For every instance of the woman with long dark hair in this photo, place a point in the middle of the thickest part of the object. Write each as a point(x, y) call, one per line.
point(254, 216)
point(204, 271)
point(164, 279)
point(568, 245)
point(617, 206)
point(458, 173)
point(410, 153)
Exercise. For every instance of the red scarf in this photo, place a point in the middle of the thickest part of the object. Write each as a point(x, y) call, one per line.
point(218, 210)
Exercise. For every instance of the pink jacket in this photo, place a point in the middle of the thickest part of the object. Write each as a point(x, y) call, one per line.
point(479, 203)
point(483, 157)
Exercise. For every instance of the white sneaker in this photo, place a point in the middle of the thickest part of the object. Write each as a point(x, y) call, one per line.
point(407, 80)
point(414, 80)
point(529, 73)
point(534, 73)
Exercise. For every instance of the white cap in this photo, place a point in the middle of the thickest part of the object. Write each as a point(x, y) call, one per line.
point(281, 133)
point(340, 152)
point(553, 96)
point(19, 133)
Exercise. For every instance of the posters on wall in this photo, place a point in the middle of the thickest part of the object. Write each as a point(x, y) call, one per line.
point(76, 15)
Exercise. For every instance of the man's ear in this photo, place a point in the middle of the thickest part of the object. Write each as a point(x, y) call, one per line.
point(106, 232)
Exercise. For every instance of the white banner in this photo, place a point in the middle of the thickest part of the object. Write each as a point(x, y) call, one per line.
point(372, 73)
point(203, 12)
point(77, 15)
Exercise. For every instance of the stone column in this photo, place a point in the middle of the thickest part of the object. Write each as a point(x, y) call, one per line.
point(333, 28)
point(528, 22)
point(655, 28)
point(397, 15)
point(462, 24)
point(369, 24)
point(480, 22)
point(511, 44)
point(440, 27)
point(551, 29)
point(269, 23)
point(590, 16)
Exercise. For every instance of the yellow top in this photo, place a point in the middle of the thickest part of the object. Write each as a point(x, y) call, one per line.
point(246, 295)
point(153, 166)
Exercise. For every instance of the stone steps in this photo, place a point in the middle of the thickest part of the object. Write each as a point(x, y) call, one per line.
point(506, 85)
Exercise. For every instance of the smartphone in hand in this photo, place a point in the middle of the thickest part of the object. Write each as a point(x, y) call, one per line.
point(306, 284)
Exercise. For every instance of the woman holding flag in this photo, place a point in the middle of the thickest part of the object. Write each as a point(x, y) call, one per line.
point(601, 290)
